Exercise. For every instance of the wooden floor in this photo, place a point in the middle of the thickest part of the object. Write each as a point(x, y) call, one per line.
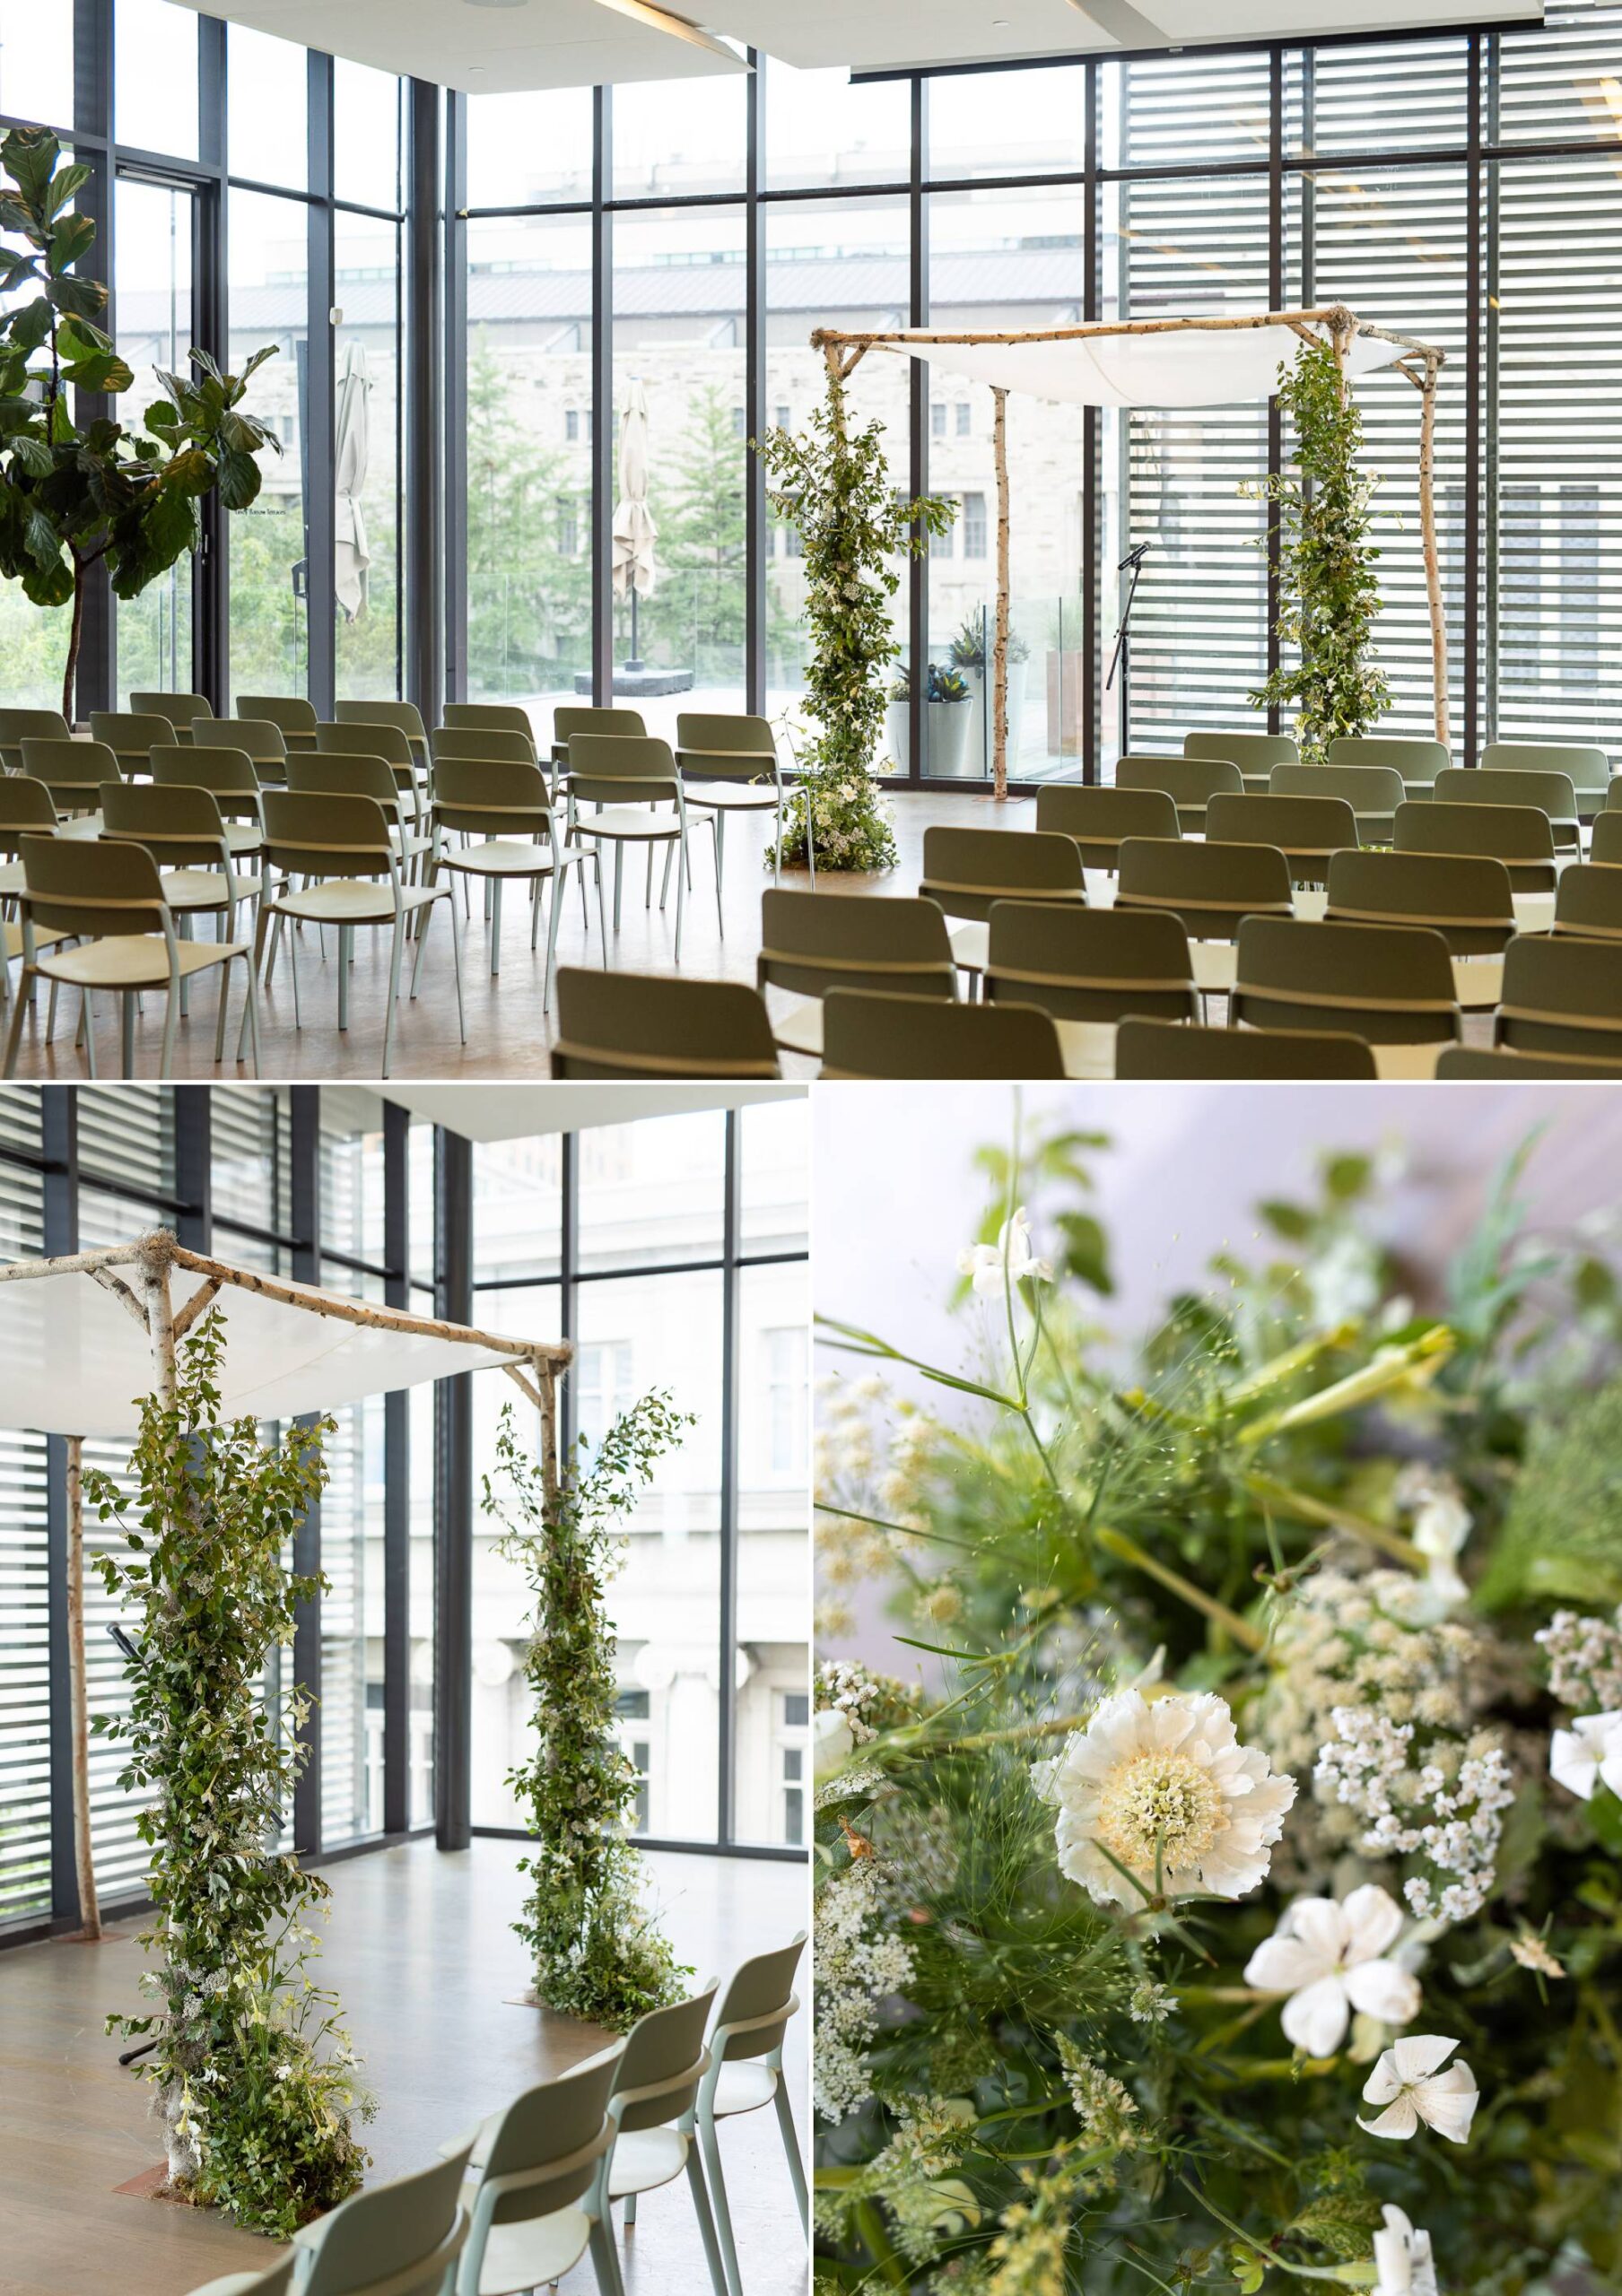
point(419, 1948)
point(508, 1033)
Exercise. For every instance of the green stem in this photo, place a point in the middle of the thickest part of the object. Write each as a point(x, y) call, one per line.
point(1127, 1550)
point(1329, 1516)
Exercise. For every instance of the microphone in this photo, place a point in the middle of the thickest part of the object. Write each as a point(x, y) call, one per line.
point(1134, 557)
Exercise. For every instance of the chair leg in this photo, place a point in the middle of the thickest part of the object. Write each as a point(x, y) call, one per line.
point(630, 2210)
point(13, 1035)
point(718, 824)
point(127, 1033)
point(604, 2261)
point(171, 1014)
point(394, 987)
point(554, 908)
point(665, 881)
point(796, 2167)
point(648, 890)
point(537, 884)
point(718, 2194)
point(495, 927)
point(87, 1029)
point(253, 1012)
point(456, 966)
point(220, 1018)
point(681, 880)
point(345, 944)
point(602, 922)
point(706, 2223)
point(292, 966)
point(619, 871)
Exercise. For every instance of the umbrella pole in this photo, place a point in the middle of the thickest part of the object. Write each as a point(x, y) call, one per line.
point(1427, 528)
point(999, 654)
point(85, 1866)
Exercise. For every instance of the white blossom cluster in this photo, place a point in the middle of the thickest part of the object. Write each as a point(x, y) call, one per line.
point(1447, 1808)
point(1584, 1658)
point(1105, 2108)
point(859, 1963)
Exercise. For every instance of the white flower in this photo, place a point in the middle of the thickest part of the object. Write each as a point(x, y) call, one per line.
point(1407, 2082)
point(985, 1262)
point(1330, 1958)
point(832, 1742)
point(1169, 1793)
point(1442, 1524)
point(1588, 1754)
point(283, 2073)
point(1402, 2258)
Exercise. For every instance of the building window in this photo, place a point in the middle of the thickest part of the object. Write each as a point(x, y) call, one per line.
point(571, 423)
point(793, 1721)
point(740, 423)
point(782, 418)
point(602, 1386)
point(568, 526)
point(937, 421)
point(973, 524)
point(941, 546)
point(633, 1707)
point(786, 1400)
point(962, 419)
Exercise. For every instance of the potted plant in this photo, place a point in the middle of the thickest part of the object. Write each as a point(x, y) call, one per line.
point(947, 719)
point(973, 649)
point(898, 718)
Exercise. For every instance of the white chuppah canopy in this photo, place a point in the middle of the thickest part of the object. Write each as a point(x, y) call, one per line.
point(1181, 361)
point(86, 1338)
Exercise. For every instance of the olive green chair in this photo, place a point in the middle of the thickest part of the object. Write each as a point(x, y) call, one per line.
point(535, 2193)
point(107, 897)
point(231, 780)
point(26, 810)
point(185, 832)
point(654, 2107)
point(404, 716)
point(1605, 846)
point(1522, 837)
point(729, 765)
point(18, 726)
point(405, 2238)
point(1418, 760)
point(1090, 964)
point(1464, 897)
point(1548, 793)
point(73, 772)
point(1210, 889)
point(1190, 782)
point(501, 743)
point(1373, 793)
point(255, 738)
point(342, 773)
point(1098, 818)
point(488, 718)
point(132, 735)
point(1305, 829)
point(867, 1035)
point(185, 711)
point(745, 2045)
point(648, 1025)
point(291, 712)
point(573, 717)
point(632, 783)
point(966, 870)
point(493, 819)
point(1255, 754)
point(275, 2280)
point(1585, 765)
point(1588, 904)
point(1387, 984)
point(1465, 1063)
point(1149, 1050)
point(1563, 999)
point(813, 943)
point(375, 737)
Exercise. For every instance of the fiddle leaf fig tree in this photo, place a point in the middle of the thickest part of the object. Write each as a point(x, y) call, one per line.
point(76, 495)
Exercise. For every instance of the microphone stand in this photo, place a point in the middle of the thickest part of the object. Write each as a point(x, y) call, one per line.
point(1121, 658)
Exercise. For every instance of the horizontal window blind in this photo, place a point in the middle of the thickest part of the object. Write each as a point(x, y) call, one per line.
point(25, 1878)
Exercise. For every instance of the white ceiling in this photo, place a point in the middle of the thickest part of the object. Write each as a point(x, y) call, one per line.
point(488, 49)
point(517, 1111)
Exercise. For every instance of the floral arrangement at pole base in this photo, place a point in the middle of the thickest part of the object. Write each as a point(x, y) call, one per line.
point(254, 2077)
point(1240, 1906)
point(832, 483)
point(598, 1951)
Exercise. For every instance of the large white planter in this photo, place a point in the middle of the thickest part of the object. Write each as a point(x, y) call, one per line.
point(947, 726)
point(896, 729)
point(980, 702)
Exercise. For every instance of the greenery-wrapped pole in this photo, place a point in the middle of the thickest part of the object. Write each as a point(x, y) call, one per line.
point(84, 1863)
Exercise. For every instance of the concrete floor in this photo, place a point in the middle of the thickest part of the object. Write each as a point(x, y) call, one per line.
point(419, 1948)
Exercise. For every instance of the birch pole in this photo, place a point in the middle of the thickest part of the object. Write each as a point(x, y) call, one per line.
point(89, 1909)
point(1427, 529)
point(999, 654)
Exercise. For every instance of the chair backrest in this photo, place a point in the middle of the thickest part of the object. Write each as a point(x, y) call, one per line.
point(1519, 835)
point(228, 774)
point(481, 742)
point(1373, 792)
point(1605, 846)
point(1210, 888)
point(132, 735)
point(330, 773)
point(1305, 829)
point(869, 1035)
point(393, 2240)
point(1549, 793)
point(487, 718)
point(405, 716)
point(811, 942)
point(1190, 782)
point(491, 796)
point(712, 747)
point(181, 827)
point(255, 737)
point(69, 769)
point(326, 836)
point(1090, 964)
point(367, 737)
point(1251, 752)
point(1465, 897)
point(1562, 997)
point(292, 712)
point(1098, 818)
point(622, 769)
point(179, 708)
point(92, 887)
point(966, 870)
point(1588, 902)
point(664, 2052)
point(1388, 984)
point(27, 809)
point(759, 1999)
point(16, 725)
point(544, 2149)
point(275, 2280)
point(1586, 764)
point(1415, 758)
point(573, 717)
point(1468, 1064)
point(1149, 1049)
point(646, 1024)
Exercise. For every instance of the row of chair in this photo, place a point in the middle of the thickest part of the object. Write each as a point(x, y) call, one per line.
point(516, 2202)
point(1416, 760)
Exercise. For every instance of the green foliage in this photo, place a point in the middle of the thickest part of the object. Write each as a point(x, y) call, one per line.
point(72, 495)
point(528, 576)
point(833, 483)
point(597, 1954)
point(1329, 594)
point(1562, 1536)
point(971, 648)
point(255, 2076)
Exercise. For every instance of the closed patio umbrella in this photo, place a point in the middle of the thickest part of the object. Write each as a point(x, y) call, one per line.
point(352, 445)
point(634, 530)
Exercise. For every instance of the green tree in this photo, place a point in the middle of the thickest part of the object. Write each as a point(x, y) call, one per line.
point(528, 570)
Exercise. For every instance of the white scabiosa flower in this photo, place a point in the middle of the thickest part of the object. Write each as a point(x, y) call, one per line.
point(1402, 2258)
point(1330, 1959)
point(984, 1263)
point(1588, 1754)
point(832, 1741)
point(1164, 1789)
point(1408, 2081)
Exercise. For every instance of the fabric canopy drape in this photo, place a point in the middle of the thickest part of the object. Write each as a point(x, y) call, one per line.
point(634, 530)
point(351, 450)
point(1182, 365)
